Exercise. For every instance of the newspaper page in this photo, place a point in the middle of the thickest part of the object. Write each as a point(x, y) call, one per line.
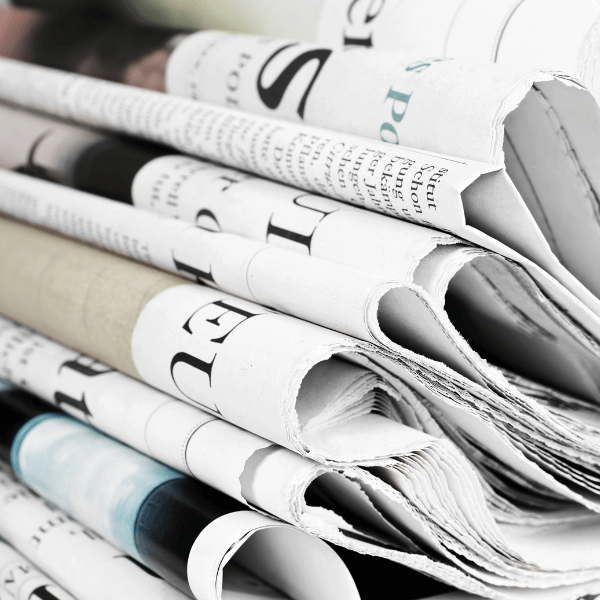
point(218, 198)
point(177, 526)
point(314, 290)
point(20, 580)
point(352, 301)
point(557, 35)
point(467, 110)
point(248, 468)
point(76, 558)
point(415, 185)
point(293, 407)
point(34, 443)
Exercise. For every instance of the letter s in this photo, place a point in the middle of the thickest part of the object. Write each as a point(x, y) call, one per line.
point(272, 95)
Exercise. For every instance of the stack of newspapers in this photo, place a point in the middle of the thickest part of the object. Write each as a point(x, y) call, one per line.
point(333, 289)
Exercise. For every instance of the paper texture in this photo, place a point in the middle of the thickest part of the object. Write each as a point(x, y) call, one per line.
point(75, 557)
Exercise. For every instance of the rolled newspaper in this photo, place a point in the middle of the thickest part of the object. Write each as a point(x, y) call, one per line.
point(185, 531)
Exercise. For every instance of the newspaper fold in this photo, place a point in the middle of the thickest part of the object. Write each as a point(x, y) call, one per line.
point(39, 450)
point(75, 557)
point(419, 186)
point(467, 110)
point(211, 349)
point(259, 272)
point(219, 198)
point(563, 34)
point(369, 425)
point(20, 580)
point(356, 302)
point(248, 468)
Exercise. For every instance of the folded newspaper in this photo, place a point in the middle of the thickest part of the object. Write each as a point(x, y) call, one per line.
point(364, 172)
point(249, 468)
point(562, 34)
point(314, 295)
point(488, 113)
point(350, 421)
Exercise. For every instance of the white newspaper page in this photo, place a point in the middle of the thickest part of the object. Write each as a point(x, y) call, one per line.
point(411, 498)
point(127, 230)
point(20, 580)
point(555, 35)
point(488, 113)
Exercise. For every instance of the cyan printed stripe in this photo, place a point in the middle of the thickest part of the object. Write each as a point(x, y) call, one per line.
point(95, 479)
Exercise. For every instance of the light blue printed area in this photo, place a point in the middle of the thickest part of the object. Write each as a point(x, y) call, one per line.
point(95, 479)
point(5, 385)
point(16, 445)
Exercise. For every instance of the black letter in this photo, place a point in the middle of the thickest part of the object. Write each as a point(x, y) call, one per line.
point(273, 95)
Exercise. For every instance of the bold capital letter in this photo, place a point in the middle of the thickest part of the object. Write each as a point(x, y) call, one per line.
point(92, 369)
point(77, 404)
point(273, 95)
point(299, 238)
point(200, 275)
point(87, 370)
point(192, 361)
point(369, 15)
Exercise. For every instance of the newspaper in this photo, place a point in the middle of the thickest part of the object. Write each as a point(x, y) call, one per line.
point(109, 395)
point(488, 113)
point(420, 186)
point(558, 35)
point(163, 332)
point(182, 529)
point(311, 289)
point(76, 558)
point(199, 192)
point(217, 198)
point(311, 295)
point(20, 580)
point(356, 302)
